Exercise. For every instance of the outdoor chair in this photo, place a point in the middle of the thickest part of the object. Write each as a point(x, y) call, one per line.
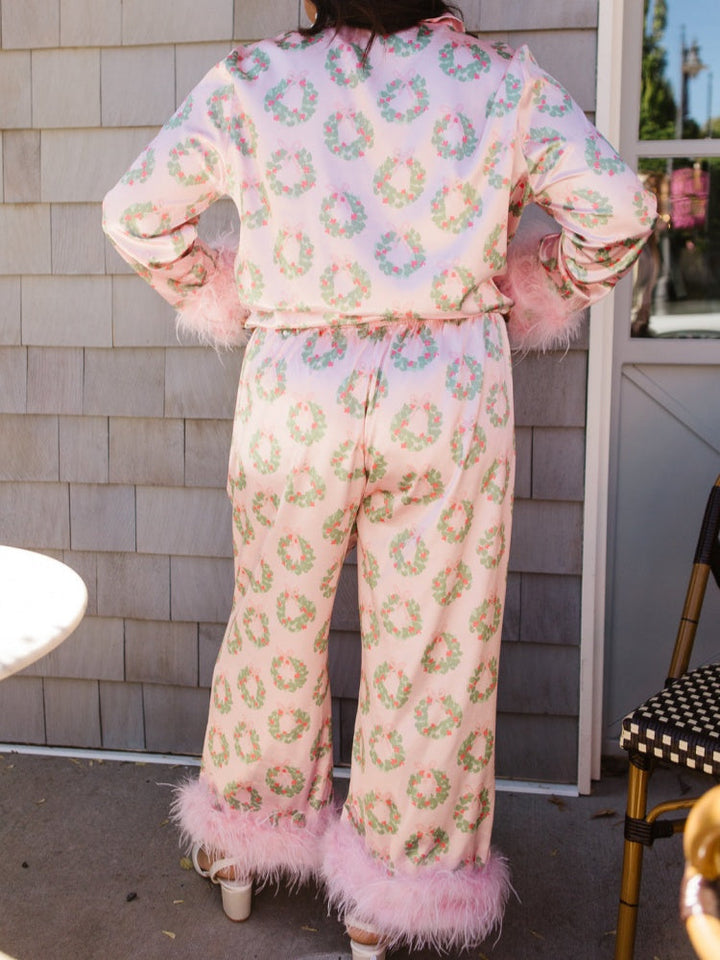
point(679, 725)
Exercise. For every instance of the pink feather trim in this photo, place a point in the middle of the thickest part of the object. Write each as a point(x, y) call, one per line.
point(213, 314)
point(432, 907)
point(268, 849)
point(540, 318)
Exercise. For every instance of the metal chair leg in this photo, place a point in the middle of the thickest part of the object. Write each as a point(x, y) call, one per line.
point(638, 777)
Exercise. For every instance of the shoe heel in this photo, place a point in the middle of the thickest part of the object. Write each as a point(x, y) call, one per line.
point(367, 951)
point(236, 899)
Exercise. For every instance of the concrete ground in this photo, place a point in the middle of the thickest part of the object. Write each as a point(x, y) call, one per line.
point(90, 869)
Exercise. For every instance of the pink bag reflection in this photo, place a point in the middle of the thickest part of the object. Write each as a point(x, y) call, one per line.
point(689, 191)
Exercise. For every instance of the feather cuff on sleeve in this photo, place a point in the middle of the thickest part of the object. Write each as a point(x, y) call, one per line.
point(213, 314)
point(540, 317)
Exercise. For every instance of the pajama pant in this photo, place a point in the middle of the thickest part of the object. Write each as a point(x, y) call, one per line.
point(398, 436)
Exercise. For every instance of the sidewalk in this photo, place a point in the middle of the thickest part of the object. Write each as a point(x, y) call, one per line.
point(91, 870)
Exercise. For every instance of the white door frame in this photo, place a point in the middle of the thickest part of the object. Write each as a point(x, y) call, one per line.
point(608, 118)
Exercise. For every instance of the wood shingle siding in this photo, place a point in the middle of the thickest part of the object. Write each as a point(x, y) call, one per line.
point(115, 435)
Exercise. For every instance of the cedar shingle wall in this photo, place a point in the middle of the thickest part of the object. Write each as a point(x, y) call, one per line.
point(114, 436)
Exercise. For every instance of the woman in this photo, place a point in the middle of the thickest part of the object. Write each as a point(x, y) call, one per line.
point(380, 162)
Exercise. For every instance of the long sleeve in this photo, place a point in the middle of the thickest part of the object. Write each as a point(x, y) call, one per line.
point(604, 214)
point(151, 214)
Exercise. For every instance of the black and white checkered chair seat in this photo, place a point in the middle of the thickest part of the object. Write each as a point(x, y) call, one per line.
point(680, 724)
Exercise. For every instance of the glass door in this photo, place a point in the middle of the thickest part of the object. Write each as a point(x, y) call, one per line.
point(664, 445)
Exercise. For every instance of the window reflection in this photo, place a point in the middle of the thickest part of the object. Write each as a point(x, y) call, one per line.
point(680, 70)
point(676, 289)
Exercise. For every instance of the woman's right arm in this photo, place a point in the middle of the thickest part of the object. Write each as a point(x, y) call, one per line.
point(603, 213)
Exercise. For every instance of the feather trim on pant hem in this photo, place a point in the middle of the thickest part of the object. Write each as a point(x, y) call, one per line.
point(271, 849)
point(432, 907)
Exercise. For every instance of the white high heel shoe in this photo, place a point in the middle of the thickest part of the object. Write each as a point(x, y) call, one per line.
point(365, 943)
point(236, 890)
point(367, 951)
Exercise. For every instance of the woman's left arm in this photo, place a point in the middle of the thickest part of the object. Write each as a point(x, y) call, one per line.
point(151, 214)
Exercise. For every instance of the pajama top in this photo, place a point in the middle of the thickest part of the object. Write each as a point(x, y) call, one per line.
point(379, 188)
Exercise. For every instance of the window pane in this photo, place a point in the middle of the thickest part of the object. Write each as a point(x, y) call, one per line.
point(680, 70)
point(676, 289)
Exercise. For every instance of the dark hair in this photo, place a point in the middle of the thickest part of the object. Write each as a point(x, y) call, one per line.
point(380, 17)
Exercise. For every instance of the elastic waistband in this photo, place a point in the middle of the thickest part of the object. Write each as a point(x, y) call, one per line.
point(306, 321)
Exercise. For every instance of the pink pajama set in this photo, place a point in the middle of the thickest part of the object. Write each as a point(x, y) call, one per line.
point(376, 201)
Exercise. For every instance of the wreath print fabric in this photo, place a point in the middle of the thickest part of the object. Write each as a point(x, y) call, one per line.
point(382, 188)
point(414, 424)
